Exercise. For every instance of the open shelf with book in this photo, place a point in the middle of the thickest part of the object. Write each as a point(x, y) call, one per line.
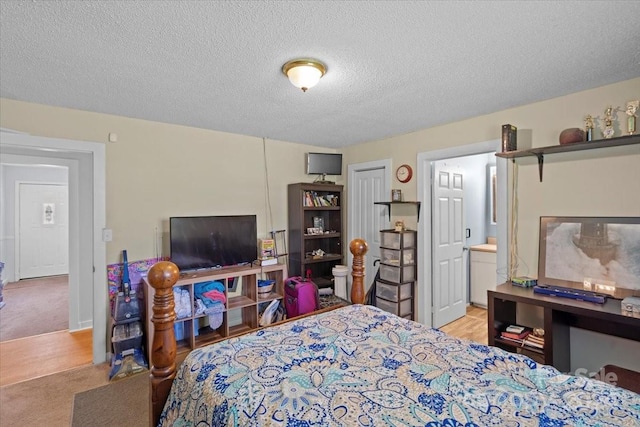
point(315, 231)
point(242, 309)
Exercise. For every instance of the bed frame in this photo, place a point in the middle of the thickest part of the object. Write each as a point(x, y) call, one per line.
point(162, 276)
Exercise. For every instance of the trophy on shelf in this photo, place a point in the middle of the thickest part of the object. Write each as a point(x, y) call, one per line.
point(588, 124)
point(632, 108)
point(608, 130)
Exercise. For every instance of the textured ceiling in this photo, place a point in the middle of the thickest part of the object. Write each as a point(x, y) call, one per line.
point(394, 67)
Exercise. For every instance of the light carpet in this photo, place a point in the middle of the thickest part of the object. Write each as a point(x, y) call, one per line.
point(47, 401)
point(34, 307)
point(124, 402)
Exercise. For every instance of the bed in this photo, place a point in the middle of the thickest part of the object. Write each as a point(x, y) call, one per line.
point(361, 366)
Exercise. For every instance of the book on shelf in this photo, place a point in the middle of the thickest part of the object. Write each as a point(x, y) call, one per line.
point(534, 341)
point(515, 336)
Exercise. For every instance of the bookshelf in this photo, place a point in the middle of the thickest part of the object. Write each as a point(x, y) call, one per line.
point(313, 206)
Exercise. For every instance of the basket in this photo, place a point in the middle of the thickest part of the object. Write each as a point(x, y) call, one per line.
point(265, 287)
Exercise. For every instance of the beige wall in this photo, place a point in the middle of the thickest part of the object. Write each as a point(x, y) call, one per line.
point(158, 170)
point(603, 182)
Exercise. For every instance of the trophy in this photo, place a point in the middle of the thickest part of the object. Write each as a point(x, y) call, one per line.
point(588, 124)
point(608, 130)
point(632, 108)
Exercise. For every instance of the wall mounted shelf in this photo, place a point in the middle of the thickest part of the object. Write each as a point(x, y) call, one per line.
point(388, 205)
point(576, 146)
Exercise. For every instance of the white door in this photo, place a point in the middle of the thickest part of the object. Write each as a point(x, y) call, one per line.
point(449, 277)
point(367, 186)
point(43, 230)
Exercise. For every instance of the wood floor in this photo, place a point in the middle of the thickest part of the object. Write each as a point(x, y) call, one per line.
point(473, 326)
point(32, 357)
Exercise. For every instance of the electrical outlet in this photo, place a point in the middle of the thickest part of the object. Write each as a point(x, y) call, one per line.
point(107, 235)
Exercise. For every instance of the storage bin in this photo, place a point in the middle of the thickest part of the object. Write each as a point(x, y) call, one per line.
point(393, 292)
point(398, 256)
point(397, 274)
point(402, 308)
point(398, 239)
point(127, 336)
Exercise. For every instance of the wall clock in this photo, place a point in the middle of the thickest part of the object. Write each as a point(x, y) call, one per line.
point(404, 173)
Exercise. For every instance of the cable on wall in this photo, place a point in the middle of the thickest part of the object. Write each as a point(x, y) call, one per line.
point(267, 194)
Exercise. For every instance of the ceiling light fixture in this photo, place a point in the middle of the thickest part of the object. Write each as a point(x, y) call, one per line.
point(304, 73)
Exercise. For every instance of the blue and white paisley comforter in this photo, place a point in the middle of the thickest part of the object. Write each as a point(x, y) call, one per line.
point(360, 366)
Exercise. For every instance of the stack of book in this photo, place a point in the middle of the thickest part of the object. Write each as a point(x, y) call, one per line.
point(534, 341)
point(515, 333)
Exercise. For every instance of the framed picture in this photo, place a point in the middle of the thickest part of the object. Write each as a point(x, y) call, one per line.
point(575, 251)
point(318, 222)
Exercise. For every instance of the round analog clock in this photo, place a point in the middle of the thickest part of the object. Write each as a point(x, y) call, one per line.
point(404, 173)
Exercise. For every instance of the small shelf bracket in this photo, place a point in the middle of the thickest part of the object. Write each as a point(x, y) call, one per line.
point(540, 157)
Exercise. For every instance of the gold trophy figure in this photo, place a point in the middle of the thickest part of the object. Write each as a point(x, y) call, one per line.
point(632, 108)
point(608, 130)
point(588, 124)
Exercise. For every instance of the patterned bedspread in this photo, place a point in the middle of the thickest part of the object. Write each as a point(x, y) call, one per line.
point(360, 366)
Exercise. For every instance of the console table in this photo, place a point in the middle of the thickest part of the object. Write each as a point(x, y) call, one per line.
point(559, 314)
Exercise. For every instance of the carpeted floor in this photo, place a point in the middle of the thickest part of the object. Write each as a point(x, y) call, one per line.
point(124, 402)
point(48, 400)
point(81, 397)
point(34, 307)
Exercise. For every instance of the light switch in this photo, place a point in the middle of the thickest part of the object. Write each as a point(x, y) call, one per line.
point(107, 235)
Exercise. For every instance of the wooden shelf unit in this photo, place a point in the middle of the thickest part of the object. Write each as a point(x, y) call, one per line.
point(559, 315)
point(242, 308)
point(301, 244)
point(565, 148)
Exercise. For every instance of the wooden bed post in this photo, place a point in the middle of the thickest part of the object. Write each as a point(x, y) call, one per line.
point(162, 276)
point(358, 248)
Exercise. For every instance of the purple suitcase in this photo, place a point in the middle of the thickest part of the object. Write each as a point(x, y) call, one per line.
point(301, 296)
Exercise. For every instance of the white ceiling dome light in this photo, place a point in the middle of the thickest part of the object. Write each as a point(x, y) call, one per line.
point(304, 73)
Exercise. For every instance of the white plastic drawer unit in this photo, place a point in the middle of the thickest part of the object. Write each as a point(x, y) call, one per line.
point(393, 292)
point(398, 274)
point(398, 256)
point(402, 308)
point(398, 239)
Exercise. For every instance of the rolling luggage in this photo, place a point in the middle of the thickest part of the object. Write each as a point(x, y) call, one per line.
point(301, 296)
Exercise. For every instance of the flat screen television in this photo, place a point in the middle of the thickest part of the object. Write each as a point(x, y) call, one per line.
point(207, 242)
point(324, 164)
point(602, 251)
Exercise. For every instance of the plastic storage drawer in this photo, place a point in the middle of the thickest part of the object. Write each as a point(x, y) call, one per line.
point(398, 239)
point(391, 273)
point(402, 308)
point(398, 256)
point(393, 292)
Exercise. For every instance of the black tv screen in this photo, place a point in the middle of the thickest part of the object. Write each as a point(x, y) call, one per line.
point(324, 164)
point(204, 242)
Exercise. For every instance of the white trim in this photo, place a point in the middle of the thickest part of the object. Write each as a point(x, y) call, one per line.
point(352, 169)
point(90, 158)
point(425, 182)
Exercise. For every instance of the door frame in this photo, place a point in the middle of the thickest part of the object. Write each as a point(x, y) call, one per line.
point(352, 169)
point(16, 226)
point(425, 183)
point(87, 172)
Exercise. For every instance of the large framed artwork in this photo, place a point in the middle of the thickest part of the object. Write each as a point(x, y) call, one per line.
point(597, 250)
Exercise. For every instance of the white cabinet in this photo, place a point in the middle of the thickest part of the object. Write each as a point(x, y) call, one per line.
point(483, 273)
